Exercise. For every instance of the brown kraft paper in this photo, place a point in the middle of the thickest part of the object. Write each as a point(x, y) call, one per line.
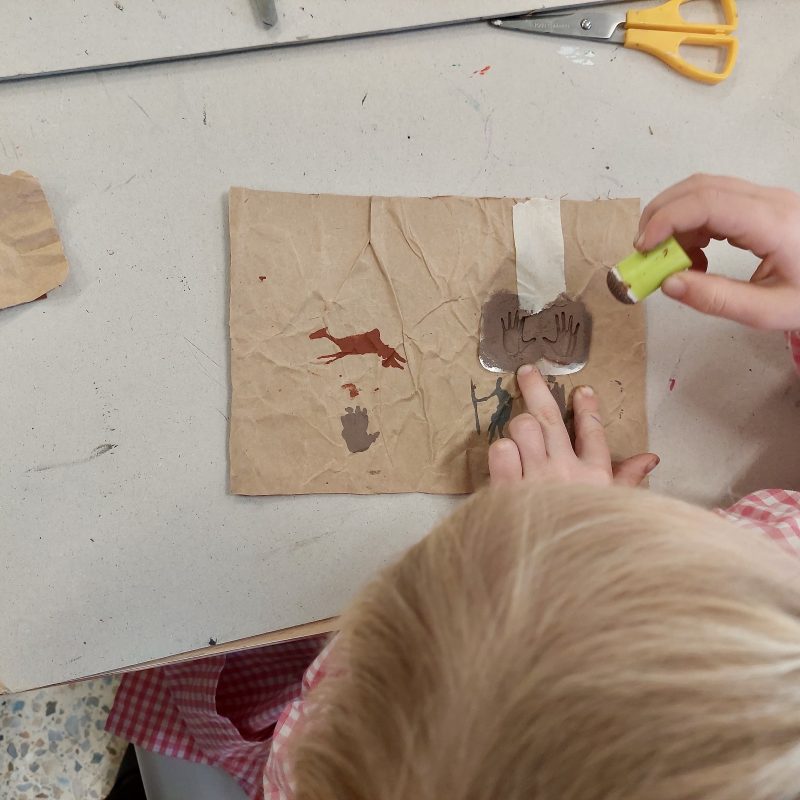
point(354, 326)
point(32, 260)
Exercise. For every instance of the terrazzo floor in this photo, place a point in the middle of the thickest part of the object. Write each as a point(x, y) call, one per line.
point(52, 743)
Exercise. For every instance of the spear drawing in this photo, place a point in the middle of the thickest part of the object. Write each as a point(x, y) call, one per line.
point(475, 405)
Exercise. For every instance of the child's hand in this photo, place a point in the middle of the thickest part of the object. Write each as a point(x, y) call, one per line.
point(539, 447)
point(763, 220)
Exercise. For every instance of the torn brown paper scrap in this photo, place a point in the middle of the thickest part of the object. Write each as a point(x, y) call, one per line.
point(32, 260)
point(354, 326)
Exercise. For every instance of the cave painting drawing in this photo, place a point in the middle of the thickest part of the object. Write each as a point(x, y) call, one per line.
point(505, 400)
point(355, 423)
point(500, 416)
point(360, 344)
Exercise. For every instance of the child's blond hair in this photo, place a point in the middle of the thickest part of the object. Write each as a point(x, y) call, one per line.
point(566, 643)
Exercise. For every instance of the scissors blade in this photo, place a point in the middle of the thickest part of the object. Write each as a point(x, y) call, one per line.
point(584, 23)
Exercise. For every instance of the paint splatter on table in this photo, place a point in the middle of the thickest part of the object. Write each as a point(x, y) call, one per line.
point(53, 743)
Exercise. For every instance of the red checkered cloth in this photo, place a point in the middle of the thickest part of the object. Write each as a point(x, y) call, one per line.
point(794, 345)
point(220, 710)
point(277, 781)
point(774, 512)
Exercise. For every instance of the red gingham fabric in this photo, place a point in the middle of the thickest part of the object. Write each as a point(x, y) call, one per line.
point(219, 710)
point(774, 512)
point(794, 345)
point(277, 780)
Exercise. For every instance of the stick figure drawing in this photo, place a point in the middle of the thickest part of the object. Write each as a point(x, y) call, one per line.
point(502, 413)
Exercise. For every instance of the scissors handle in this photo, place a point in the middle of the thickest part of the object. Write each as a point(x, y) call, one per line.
point(668, 17)
point(662, 30)
point(666, 46)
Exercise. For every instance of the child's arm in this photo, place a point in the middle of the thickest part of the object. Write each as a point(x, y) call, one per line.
point(764, 220)
point(539, 446)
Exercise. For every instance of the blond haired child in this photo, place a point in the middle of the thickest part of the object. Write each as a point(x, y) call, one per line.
point(561, 636)
point(563, 641)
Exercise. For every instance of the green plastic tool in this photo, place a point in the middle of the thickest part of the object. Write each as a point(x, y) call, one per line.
point(640, 274)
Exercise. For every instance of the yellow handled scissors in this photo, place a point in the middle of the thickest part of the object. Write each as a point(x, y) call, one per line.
point(659, 31)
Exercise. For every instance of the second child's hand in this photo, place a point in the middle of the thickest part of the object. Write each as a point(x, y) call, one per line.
point(763, 220)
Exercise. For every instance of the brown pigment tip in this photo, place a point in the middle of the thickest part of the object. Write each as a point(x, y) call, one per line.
point(619, 288)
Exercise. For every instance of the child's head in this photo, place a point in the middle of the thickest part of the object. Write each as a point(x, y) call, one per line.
point(566, 643)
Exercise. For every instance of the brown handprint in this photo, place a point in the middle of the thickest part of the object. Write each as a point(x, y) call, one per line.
point(513, 325)
point(512, 332)
point(354, 430)
point(566, 339)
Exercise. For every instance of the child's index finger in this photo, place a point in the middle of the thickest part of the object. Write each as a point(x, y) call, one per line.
point(542, 405)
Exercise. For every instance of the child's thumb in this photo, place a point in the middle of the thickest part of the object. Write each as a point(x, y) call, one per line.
point(634, 470)
point(723, 297)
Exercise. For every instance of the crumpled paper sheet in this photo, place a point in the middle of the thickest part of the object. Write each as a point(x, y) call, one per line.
point(32, 261)
point(418, 271)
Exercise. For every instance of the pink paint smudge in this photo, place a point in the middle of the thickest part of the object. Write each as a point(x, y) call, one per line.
point(483, 70)
point(672, 382)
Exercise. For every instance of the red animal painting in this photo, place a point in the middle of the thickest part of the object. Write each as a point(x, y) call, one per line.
point(360, 344)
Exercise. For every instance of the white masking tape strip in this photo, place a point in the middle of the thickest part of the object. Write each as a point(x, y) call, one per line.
point(540, 253)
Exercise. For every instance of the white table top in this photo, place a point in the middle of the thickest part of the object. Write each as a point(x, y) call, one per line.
point(51, 36)
point(141, 553)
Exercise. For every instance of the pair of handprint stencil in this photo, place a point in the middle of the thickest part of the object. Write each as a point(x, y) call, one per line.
point(557, 337)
